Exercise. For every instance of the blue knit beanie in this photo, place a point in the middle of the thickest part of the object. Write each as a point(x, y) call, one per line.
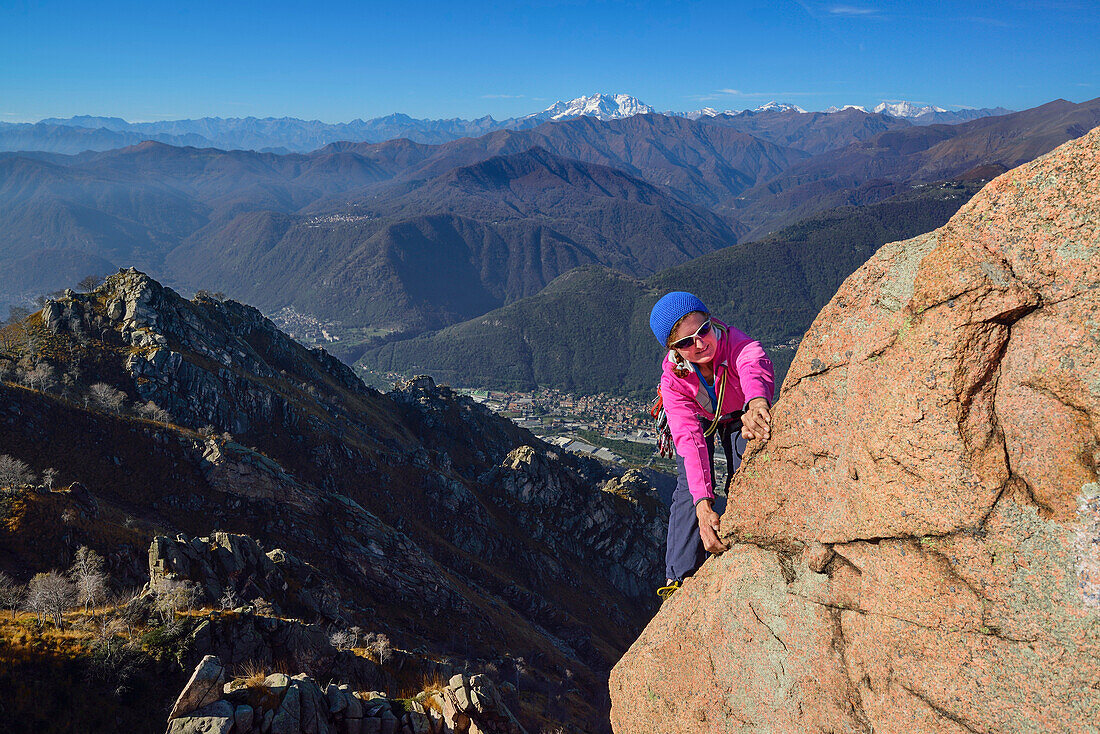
point(671, 308)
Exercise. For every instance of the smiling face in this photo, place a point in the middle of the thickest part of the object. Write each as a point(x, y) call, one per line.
point(702, 348)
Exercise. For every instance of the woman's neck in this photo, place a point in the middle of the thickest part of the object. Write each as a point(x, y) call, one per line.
point(706, 369)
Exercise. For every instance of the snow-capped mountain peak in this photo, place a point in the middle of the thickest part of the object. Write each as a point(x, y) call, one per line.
point(774, 106)
point(700, 114)
point(906, 109)
point(602, 106)
point(834, 108)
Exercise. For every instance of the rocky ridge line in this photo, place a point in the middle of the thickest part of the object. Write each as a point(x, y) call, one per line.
point(443, 526)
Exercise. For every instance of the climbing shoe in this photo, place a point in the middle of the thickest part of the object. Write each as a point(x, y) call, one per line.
point(669, 588)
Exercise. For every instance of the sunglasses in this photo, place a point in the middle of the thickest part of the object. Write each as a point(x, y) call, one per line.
point(687, 341)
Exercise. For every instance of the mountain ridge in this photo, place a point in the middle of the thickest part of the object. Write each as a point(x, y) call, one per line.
point(770, 288)
point(323, 231)
point(286, 134)
point(440, 524)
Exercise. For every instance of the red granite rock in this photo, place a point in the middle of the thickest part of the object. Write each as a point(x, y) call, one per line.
point(917, 547)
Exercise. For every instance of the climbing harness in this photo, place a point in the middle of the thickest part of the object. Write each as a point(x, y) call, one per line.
point(665, 446)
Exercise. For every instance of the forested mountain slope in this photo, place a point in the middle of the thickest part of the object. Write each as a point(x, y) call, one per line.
point(589, 329)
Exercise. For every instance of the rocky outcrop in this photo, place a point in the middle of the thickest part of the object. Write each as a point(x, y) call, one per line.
point(243, 636)
point(471, 704)
point(917, 546)
point(203, 688)
point(556, 508)
point(281, 704)
point(236, 565)
point(198, 360)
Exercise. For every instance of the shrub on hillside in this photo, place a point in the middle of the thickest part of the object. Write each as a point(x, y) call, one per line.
point(169, 641)
point(14, 473)
point(118, 666)
point(229, 600)
point(11, 593)
point(88, 576)
point(106, 397)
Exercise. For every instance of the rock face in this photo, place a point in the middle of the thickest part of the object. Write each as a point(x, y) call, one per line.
point(553, 505)
point(198, 360)
point(203, 689)
point(917, 547)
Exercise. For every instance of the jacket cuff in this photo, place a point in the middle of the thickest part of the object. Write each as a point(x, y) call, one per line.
point(711, 498)
point(749, 399)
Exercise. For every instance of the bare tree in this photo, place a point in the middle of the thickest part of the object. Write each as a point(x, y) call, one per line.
point(173, 596)
point(229, 599)
point(11, 593)
point(14, 473)
point(89, 283)
point(107, 397)
point(88, 575)
point(379, 644)
point(51, 594)
point(107, 628)
point(154, 412)
point(42, 377)
point(17, 313)
point(130, 611)
point(342, 640)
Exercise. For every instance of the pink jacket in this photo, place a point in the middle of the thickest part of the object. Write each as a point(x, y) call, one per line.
point(748, 373)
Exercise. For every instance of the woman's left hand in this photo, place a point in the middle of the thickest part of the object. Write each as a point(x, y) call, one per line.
point(757, 420)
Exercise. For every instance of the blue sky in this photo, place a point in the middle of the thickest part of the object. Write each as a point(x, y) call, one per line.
point(336, 61)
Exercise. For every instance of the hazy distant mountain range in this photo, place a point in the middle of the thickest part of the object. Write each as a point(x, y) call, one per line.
point(284, 135)
point(398, 238)
point(771, 288)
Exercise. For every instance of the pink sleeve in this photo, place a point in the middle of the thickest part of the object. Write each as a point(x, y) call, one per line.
point(687, 435)
point(755, 370)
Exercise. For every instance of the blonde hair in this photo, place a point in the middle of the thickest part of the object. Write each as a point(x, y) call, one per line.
point(682, 368)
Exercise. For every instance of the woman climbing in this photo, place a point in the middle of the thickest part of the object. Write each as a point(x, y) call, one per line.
point(707, 364)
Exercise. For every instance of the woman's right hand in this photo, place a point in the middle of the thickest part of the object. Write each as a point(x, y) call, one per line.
point(756, 422)
point(709, 526)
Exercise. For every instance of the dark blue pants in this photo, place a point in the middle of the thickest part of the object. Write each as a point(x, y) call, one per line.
point(684, 552)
